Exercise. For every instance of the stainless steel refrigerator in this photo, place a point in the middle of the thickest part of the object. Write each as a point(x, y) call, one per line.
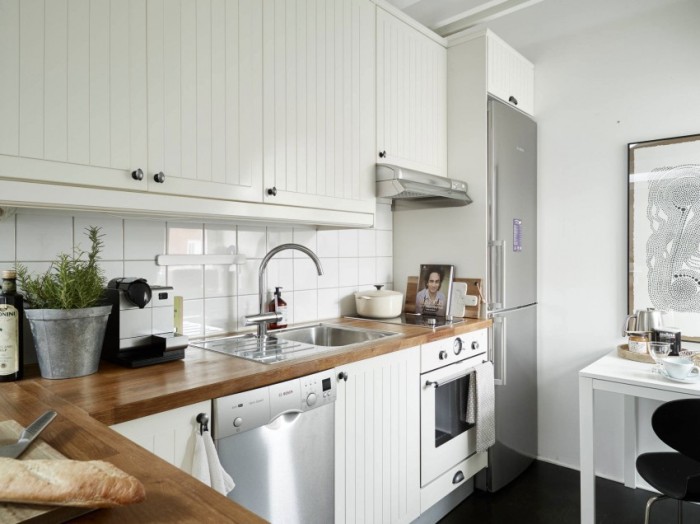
point(512, 290)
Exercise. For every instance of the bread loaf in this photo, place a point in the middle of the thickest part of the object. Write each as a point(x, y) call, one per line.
point(92, 484)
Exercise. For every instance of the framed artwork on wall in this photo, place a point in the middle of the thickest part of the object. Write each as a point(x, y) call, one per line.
point(664, 230)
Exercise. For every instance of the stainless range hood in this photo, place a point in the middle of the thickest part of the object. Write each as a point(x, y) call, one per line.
point(399, 183)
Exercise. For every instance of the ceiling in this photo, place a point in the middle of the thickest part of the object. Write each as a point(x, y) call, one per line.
point(450, 16)
point(525, 22)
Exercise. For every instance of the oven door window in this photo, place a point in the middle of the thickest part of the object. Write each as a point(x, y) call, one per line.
point(451, 410)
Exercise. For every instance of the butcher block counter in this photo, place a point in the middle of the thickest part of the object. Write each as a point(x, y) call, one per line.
point(87, 405)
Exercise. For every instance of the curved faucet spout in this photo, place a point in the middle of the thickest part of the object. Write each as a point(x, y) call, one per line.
point(262, 326)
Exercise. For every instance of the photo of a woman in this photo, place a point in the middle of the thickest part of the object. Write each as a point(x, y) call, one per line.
point(432, 298)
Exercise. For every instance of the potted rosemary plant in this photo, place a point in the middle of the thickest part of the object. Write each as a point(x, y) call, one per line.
point(64, 311)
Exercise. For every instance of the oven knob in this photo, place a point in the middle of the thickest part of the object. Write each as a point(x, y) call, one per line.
point(311, 399)
point(475, 344)
point(457, 346)
point(442, 355)
point(237, 422)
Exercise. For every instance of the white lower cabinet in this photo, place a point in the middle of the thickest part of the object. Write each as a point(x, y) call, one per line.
point(377, 428)
point(168, 435)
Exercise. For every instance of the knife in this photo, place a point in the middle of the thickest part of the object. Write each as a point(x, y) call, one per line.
point(27, 436)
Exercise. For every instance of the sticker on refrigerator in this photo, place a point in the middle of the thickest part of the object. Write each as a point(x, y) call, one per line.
point(517, 234)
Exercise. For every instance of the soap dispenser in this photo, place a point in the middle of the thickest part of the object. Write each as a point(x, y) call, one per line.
point(280, 306)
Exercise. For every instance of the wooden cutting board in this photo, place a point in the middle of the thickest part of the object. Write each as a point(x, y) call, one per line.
point(11, 513)
point(473, 288)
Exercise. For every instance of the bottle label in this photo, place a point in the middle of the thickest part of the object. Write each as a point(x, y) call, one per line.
point(9, 339)
point(285, 315)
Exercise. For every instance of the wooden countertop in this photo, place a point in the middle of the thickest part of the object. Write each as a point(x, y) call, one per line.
point(115, 394)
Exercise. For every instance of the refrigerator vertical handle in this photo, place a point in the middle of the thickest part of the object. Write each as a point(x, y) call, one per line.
point(497, 280)
point(498, 348)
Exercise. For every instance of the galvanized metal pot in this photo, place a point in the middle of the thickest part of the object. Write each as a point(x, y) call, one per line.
point(68, 341)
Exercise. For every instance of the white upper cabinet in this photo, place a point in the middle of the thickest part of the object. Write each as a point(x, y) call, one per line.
point(510, 76)
point(411, 96)
point(319, 103)
point(205, 98)
point(72, 104)
point(113, 86)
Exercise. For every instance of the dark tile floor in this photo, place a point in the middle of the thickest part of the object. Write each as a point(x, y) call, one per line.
point(549, 494)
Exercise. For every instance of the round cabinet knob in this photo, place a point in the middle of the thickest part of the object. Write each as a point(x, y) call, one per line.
point(442, 355)
point(457, 346)
point(159, 177)
point(343, 376)
point(138, 174)
point(311, 399)
point(513, 100)
point(475, 345)
point(237, 422)
point(382, 154)
point(272, 191)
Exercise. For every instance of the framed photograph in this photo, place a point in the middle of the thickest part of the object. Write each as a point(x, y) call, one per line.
point(664, 230)
point(434, 289)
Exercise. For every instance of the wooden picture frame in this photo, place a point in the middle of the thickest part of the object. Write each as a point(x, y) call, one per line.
point(664, 230)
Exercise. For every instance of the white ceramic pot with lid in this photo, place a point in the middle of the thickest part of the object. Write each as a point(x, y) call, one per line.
point(379, 304)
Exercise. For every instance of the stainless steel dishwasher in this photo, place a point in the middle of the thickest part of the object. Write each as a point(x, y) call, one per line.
point(277, 442)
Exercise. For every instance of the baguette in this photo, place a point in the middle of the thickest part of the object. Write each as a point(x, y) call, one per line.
point(91, 484)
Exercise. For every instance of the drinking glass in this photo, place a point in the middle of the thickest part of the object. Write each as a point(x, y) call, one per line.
point(658, 351)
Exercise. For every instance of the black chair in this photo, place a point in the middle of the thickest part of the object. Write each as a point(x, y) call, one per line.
point(674, 475)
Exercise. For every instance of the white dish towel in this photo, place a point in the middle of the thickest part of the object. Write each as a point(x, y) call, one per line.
point(481, 406)
point(206, 466)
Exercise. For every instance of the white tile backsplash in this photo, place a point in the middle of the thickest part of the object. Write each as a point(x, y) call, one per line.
point(7, 239)
point(327, 243)
point(304, 306)
point(220, 240)
point(347, 243)
point(251, 241)
point(347, 272)
point(111, 229)
point(367, 271)
point(144, 239)
point(187, 281)
point(366, 243)
point(217, 298)
point(41, 237)
point(305, 274)
point(185, 239)
point(220, 314)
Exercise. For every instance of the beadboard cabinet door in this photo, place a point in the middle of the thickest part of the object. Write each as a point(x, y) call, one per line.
point(377, 428)
point(319, 103)
point(169, 435)
point(510, 76)
point(205, 98)
point(73, 91)
point(411, 97)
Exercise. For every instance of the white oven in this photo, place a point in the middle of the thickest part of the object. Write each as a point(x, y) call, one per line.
point(447, 440)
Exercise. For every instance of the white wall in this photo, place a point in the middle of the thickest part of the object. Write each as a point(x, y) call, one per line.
point(596, 91)
point(216, 298)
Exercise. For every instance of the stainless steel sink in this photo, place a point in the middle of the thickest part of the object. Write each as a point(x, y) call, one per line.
point(326, 335)
point(293, 343)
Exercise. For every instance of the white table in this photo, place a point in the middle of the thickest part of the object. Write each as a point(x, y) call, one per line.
point(633, 380)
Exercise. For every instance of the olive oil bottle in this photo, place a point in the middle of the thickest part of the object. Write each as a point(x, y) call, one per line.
point(11, 329)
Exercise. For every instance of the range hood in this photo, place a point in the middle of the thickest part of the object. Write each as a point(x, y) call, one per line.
point(405, 184)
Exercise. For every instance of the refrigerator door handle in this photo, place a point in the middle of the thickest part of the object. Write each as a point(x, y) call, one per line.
point(498, 274)
point(499, 350)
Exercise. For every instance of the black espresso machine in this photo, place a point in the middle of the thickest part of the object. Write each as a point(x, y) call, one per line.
point(141, 328)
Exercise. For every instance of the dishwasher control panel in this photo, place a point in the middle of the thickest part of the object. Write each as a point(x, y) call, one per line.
point(252, 409)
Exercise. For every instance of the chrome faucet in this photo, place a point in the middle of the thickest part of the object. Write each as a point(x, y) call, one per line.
point(263, 317)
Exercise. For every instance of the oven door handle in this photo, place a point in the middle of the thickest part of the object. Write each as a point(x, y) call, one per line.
point(450, 378)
